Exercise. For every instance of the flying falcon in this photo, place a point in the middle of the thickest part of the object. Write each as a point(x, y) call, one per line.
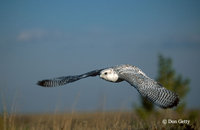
point(146, 86)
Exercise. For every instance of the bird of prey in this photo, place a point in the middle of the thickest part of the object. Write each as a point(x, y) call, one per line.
point(147, 87)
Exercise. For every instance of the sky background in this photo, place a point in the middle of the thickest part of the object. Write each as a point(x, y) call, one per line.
point(45, 39)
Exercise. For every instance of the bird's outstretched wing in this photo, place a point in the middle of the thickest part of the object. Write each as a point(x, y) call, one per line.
point(150, 89)
point(66, 79)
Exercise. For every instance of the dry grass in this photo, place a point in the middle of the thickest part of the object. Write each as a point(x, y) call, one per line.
point(96, 121)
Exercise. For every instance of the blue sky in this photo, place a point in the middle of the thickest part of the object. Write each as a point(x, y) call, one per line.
point(45, 39)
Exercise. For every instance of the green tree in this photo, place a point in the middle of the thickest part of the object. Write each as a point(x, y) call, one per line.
point(168, 78)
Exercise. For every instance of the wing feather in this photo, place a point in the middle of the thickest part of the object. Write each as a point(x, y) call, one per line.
point(66, 79)
point(149, 88)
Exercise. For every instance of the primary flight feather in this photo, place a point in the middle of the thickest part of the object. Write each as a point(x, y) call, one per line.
point(146, 86)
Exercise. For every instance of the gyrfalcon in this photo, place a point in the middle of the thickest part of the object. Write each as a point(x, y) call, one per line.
point(147, 87)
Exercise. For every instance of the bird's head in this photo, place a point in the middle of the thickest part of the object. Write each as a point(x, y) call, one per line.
point(109, 75)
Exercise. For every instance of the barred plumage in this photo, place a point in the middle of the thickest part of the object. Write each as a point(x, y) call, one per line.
point(66, 79)
point(146, 86)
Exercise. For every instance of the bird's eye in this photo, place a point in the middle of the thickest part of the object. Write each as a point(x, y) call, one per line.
point(105, 73)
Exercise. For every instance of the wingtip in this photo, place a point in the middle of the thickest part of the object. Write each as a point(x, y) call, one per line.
point(174, 104)
point(41, 83)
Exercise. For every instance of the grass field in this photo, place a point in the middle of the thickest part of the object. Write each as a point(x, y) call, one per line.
point(100, 121)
